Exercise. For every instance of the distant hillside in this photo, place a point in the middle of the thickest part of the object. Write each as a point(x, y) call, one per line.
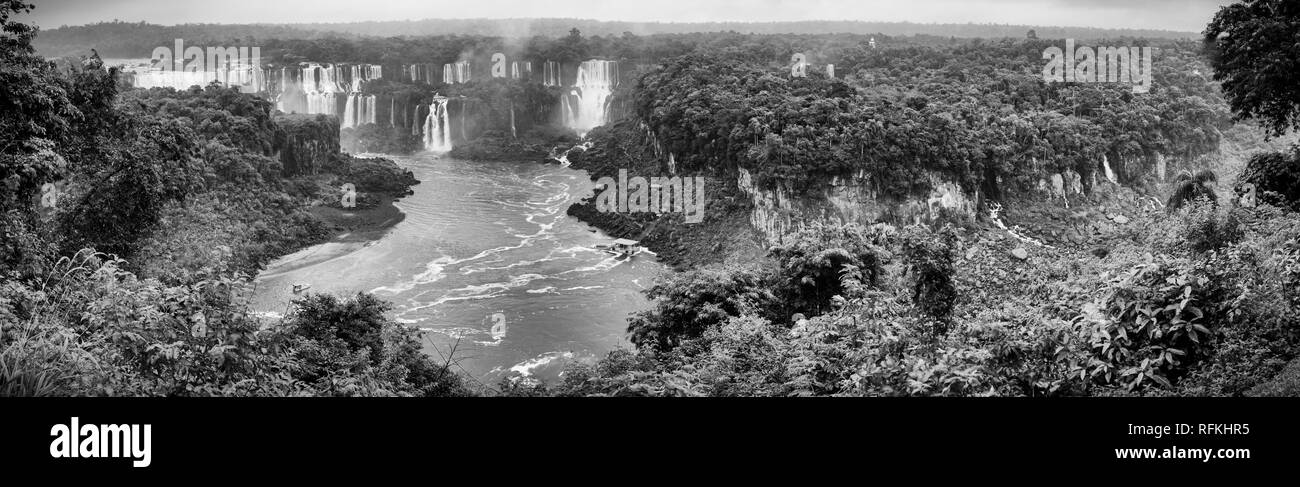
point(559, 27)
point(138, 39)
point(126, 39)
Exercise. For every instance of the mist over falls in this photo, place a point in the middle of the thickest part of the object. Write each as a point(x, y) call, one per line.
point(586, 106)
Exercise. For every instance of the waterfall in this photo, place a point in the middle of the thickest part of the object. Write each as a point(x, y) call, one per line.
point(587, 104)
point(1110, 175)
point(517, 73)
point(359, 110)
point(513, 133)
point(419, 73)
point(415, 129)
point(320, 84)
point(349, 112)
point(437, 127)
point(248, 78)
point(457, 72)
point(552, 74)
point(319, 88)
point(310, 88)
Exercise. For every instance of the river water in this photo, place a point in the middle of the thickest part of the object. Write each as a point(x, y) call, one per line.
point(487, 261)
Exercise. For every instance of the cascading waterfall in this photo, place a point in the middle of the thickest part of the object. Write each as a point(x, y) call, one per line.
point(350, 112)
point(420, 73)
point(360, 110)
point(1110, 174)
point(416, 128)
point(552, 74)
point(586, 106)
point(320, 86)
point(437, 127)
point(311, 88)
point(248, 78)
point(521, 70)
point(455, 73)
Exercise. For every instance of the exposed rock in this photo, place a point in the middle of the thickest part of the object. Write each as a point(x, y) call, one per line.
point(1121, 219)
point(1020, 253)
point(306, 143)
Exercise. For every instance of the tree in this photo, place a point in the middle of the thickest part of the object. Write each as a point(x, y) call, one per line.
point(1190, 187)
point(1252, 48)
point(36, 113)
point(930, 259)
point(1275, 176)
point(813, 260)
point(689, 303)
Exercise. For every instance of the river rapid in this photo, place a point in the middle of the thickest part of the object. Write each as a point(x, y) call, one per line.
point(486, 262)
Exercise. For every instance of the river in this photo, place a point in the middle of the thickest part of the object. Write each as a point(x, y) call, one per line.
point(486, 261)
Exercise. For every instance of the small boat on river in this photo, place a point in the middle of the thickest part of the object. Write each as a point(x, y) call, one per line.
point(622, 247)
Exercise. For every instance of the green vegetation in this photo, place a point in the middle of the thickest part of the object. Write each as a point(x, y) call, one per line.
point(119, 290)
point(1198, 300)
point(132, 221)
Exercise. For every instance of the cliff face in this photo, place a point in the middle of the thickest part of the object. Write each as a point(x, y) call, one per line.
point(854, 199)
point(1054, 208)
point(305, 144)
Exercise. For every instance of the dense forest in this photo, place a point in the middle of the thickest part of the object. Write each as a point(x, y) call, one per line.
point(1191, 293)
point(132, 221)
point(137, 39)
point(1153, 245)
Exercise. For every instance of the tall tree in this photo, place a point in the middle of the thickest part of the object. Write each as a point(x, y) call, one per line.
point(1252, 46)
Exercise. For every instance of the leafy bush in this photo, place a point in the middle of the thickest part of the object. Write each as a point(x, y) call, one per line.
point(812, 261)
point(689, 303)
point(1276, 177)
point(92, 328)
point(1151, 324)
point(929, 256)
point(1207, 228)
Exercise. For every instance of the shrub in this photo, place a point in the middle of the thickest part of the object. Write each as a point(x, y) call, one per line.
point(929, 257)
point(811, 262)
point(1151, 323)
point(687, 304)
point(1276, 176)
point(1207, 227)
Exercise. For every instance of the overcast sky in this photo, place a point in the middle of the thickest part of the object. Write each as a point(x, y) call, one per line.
point(1180, 15)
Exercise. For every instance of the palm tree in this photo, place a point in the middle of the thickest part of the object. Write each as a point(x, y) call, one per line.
point(1189, 187)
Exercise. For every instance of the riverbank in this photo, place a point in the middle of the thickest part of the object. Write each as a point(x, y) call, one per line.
point(725, 237)
point(725, 234)
point(352, 230)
